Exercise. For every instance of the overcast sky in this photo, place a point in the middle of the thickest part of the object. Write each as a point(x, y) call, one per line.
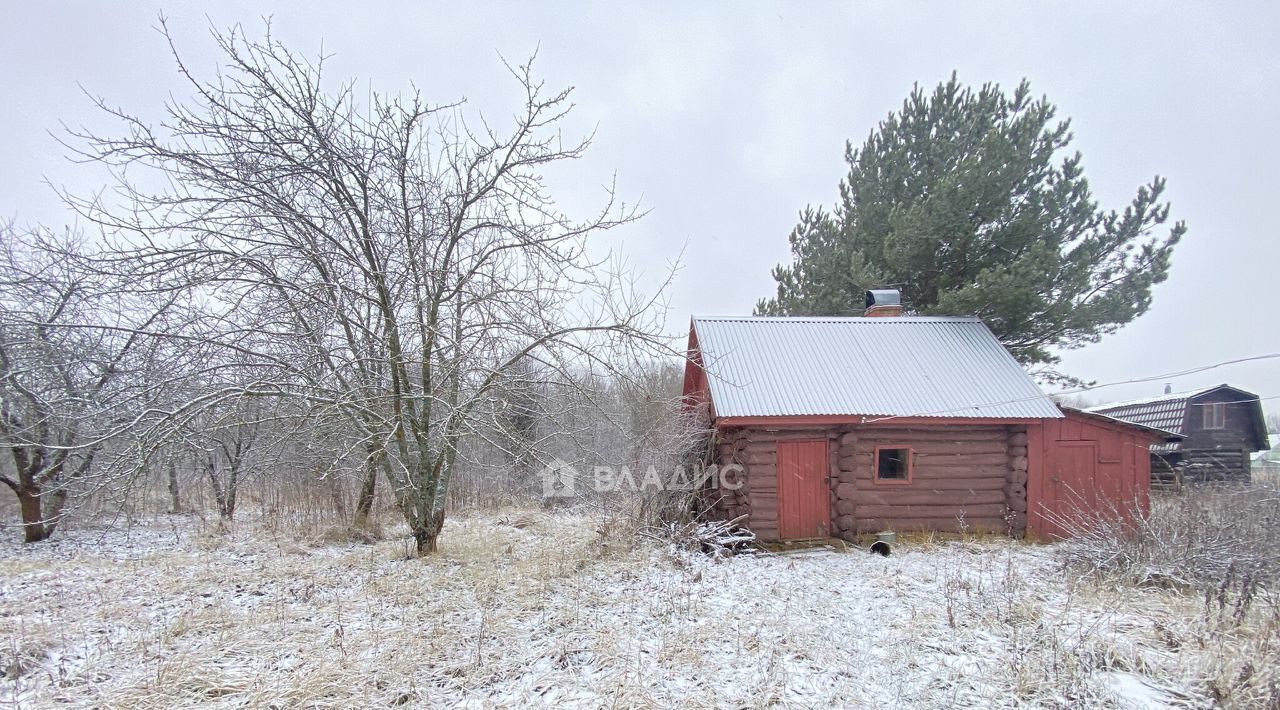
point(727, 119)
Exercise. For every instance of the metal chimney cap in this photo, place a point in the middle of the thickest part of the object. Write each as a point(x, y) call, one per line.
point(884, 297)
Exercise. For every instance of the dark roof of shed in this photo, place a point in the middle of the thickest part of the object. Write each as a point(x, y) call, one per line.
point(1169, 412)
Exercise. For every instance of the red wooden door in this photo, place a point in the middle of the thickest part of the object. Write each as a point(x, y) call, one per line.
point(804, 504)
point(1073, 488)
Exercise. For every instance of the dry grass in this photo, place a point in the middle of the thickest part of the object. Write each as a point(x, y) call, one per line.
point(1218, 549)
point(160, 617)
point(526, 607)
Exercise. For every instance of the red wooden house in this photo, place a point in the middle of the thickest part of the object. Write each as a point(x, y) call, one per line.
point(846, 426)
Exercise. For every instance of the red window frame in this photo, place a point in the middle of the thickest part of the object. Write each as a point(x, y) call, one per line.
point(875, 465)
point(1215, 415)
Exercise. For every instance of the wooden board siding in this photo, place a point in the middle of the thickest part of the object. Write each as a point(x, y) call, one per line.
point(803, 489)
point(1084, 470)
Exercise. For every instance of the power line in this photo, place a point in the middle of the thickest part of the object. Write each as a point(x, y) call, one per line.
point(1152, 378)
point(1191, 371)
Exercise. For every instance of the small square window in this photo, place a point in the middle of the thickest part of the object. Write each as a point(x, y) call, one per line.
point(893, 465)
point(1215, 415)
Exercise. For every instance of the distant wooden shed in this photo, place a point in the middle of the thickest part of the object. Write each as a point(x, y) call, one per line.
point(1219, 428)
point(848, 426)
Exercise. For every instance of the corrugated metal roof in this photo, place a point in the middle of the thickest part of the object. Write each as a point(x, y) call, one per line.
point(909, 366)
point(1163, 412)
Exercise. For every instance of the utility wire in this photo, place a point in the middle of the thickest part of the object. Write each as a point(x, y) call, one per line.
point(1152, 378)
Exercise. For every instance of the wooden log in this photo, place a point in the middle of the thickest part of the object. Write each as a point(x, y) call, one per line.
point(846, 476)
point(994, 446)
point(1017, 451)
point(1019, 477)
point(926, 459)
point(1018, 505)
point(1018, 438)
point(942, 469)
point(769, 437)
point(844, 506)
point(761, 470)
point(1018, 463)
point(846, 490)
point(845, 522)
point(849, 438)
point(871, 525)
point(852, 463)
point(943, 483)
point(938, 433)
point(982, 510)
point(917, 496)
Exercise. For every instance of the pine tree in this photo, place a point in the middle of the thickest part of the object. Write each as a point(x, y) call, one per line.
point(971, 203)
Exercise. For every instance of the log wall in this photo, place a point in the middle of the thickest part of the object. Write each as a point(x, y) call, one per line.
point(964, 478)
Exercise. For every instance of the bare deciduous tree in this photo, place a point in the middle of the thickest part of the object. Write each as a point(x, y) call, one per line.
point(74, 357)
point(385, 263)
point(227, 439)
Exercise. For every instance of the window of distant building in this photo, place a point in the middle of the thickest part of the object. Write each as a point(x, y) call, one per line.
point(1215, 415)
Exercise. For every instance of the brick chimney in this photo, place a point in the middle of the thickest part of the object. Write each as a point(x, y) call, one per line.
point(882, 303)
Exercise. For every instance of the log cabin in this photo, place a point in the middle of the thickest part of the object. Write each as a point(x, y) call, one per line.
point(1220, 426)
point(849, 426)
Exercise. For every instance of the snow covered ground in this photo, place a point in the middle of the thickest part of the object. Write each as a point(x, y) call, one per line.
point(562, 610)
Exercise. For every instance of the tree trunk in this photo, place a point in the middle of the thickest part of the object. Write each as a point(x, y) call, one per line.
point(224, 496)
point(364, 504)
point(427, 535)
point(336, 497)
point(175, 501)
point(229, 503)
point(34, 527)
point(426, 542)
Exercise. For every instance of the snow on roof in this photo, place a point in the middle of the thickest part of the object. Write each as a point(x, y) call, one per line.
point(906, 366)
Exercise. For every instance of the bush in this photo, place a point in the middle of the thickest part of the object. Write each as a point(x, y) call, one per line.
point(1219, 541)
point(1219, 545)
